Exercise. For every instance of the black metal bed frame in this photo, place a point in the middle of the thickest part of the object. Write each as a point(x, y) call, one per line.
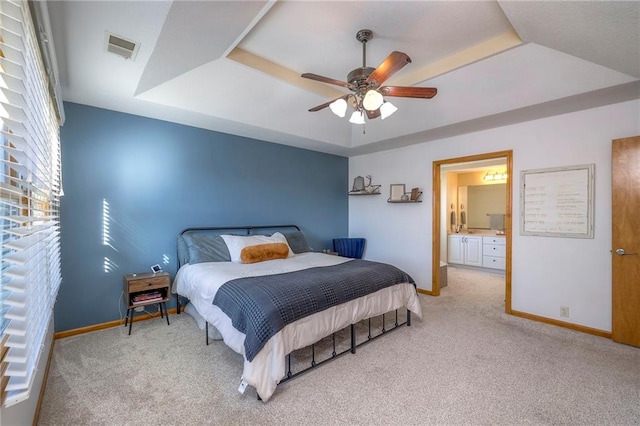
point(352, 327)
point(352, 348)
point(290, 375)
point(248, 231)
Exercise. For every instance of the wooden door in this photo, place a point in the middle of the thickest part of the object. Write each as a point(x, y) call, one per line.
point(626, 241)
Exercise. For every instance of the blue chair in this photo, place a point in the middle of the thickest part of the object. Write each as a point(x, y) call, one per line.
point(349, 247)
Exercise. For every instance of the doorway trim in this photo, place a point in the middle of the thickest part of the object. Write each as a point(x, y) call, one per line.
point(437, 199)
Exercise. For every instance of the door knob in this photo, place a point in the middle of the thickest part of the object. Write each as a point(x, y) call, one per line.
point(622, 252)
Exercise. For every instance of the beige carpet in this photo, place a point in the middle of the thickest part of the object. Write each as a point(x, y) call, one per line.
point(466, 362)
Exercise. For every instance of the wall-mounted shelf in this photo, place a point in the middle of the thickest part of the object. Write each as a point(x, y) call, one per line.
point(411, 197)
point(363, 193)
point(367, 190)
point(403, 202)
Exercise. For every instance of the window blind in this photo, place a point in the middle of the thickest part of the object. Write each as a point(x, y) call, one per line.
point(30, 187)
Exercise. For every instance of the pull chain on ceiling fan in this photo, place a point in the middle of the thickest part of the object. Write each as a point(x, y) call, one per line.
point(365, 83)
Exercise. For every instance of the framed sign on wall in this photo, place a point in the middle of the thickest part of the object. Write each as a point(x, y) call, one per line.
point(557, 202)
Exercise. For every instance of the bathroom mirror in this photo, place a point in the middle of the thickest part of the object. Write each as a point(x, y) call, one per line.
point(486, 206)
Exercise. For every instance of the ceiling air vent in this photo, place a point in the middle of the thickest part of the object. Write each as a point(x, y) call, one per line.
point(122, 47)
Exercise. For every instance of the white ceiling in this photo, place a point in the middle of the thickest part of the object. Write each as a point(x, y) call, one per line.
point(234, 66)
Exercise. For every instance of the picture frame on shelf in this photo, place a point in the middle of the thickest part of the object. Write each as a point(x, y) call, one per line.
point(358, 184)
point(396, 191)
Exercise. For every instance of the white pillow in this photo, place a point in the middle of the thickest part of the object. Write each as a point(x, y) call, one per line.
point(235, 243)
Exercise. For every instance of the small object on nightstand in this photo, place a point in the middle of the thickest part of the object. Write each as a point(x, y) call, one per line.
point(144, 289)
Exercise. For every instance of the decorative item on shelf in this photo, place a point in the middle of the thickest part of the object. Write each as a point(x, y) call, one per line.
point(360, 188)
point(396, 191)
point(415, 194)
point(398, 194)
point(358, 184)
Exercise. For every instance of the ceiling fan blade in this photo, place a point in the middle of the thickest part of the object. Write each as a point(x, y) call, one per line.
point(326, 104)
point(373, 114)
point(328, 80)
point(392, 64)
point(409, 92)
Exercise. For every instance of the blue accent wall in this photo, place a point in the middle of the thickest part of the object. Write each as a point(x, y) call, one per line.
point(131, 184)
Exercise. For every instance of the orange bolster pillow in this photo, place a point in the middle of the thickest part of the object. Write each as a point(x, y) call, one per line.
point(262, 252)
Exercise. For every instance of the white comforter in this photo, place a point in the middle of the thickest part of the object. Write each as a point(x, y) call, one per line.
point(200, 282)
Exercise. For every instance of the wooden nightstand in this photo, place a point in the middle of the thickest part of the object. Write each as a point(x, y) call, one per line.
point(146, 289)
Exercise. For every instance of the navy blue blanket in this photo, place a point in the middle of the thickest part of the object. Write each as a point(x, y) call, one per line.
point(261, 306)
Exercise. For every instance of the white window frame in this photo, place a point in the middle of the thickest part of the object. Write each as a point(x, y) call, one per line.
point(30, 190)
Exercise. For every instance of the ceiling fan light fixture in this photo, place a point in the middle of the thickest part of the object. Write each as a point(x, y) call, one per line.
point(365, 83)
point(372, 100)
point(339, 107)
point(387, 109)
point(357, 117)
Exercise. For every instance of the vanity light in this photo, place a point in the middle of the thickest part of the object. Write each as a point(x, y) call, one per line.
point(494, 176)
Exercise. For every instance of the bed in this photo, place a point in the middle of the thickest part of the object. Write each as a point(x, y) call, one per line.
point(268, 294)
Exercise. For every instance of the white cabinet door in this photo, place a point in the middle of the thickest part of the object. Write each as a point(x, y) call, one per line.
point(473, 251)
point(455, 249)
point(465, 250)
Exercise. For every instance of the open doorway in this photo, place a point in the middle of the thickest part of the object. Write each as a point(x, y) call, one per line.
point(441, 223)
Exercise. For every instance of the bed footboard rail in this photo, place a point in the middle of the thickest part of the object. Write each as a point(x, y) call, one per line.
point(354, 329)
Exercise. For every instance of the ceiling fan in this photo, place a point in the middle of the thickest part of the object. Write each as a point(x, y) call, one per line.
point(365, 83)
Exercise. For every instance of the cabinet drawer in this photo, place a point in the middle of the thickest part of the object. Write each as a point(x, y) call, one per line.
point(148, 283)
point(493, 262)
point(500, 241)
point(494, 250)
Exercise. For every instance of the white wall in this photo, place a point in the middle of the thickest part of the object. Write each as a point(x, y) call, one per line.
point(547, 272)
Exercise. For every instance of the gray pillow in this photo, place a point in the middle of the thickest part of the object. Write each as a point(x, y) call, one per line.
point(206, 248)
point(183, 252)
point(297, 242)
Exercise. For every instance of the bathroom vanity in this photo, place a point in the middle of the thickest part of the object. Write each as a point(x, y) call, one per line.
point(479, 248)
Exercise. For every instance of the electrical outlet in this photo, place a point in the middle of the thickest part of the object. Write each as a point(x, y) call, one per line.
point(141, 309)
point(564, 311)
